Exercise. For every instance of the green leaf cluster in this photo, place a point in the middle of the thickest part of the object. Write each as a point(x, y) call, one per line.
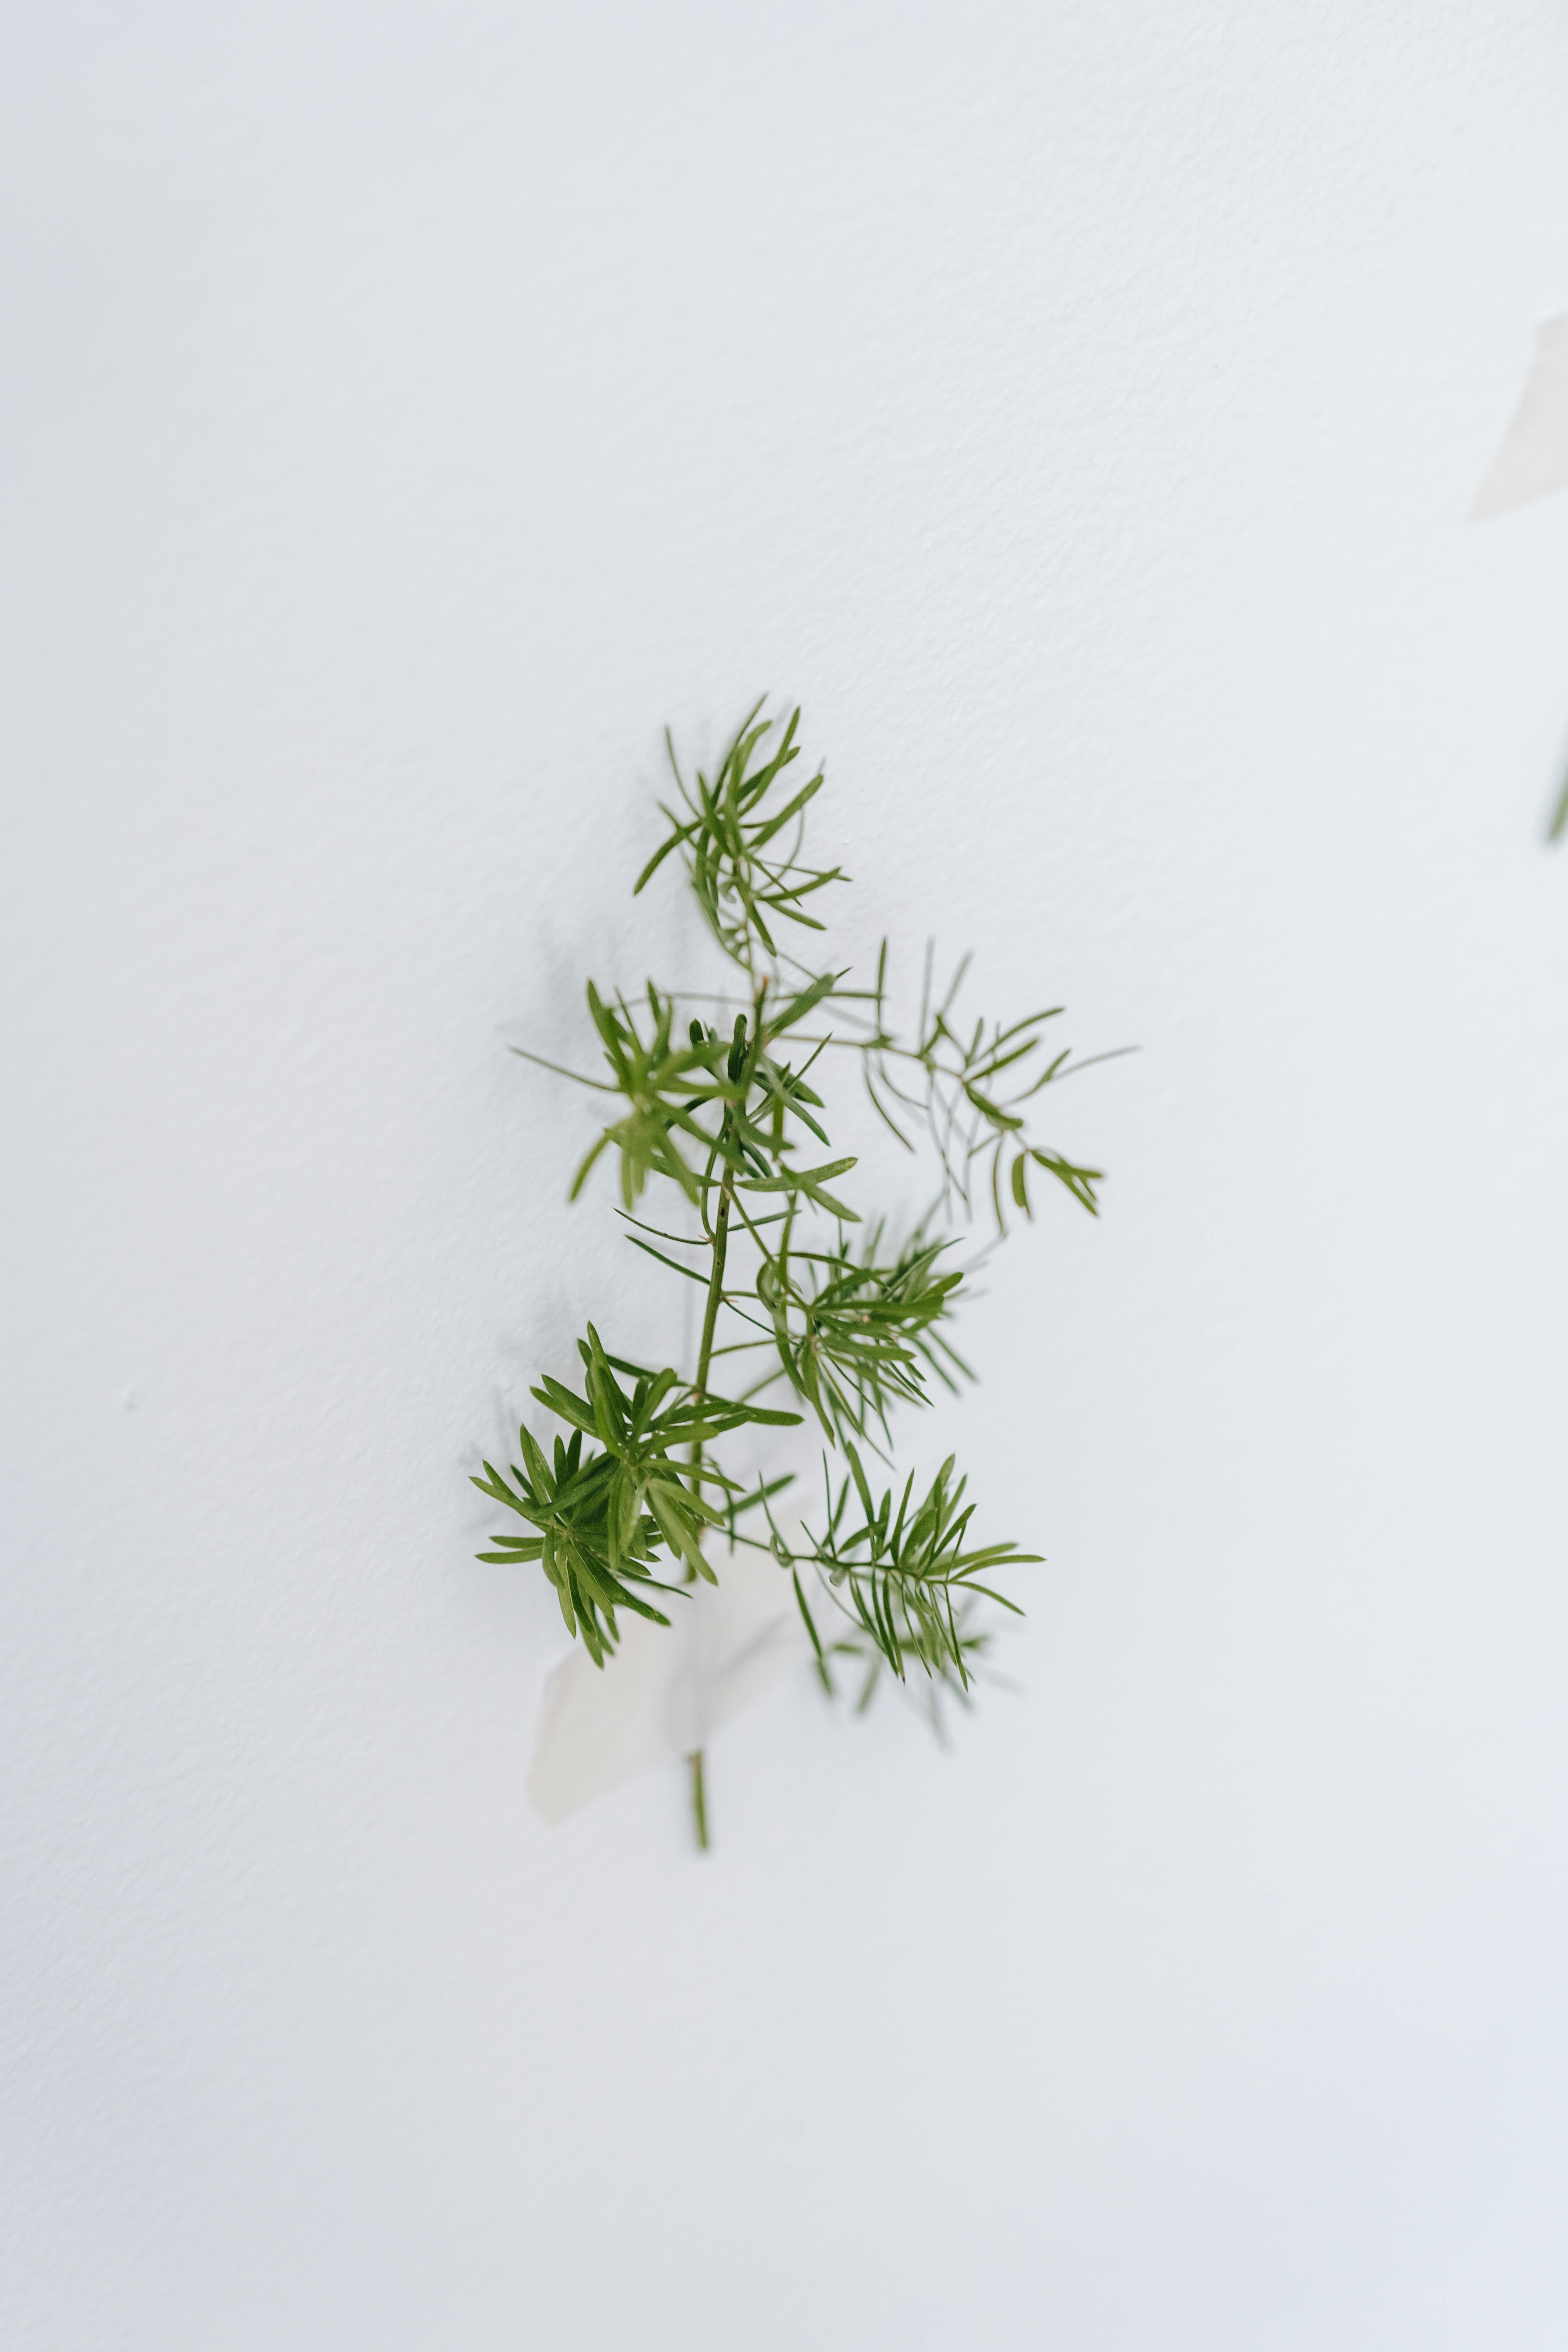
point(807, 1296)
point(743, 859)
point(602, 1517)
point(905, 1574)
point(856, 1335)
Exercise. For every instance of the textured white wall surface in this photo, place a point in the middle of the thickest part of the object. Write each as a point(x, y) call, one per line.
point(409, 410)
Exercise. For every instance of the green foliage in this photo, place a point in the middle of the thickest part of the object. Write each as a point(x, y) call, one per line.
point(856, 1337)
point(904, 1574)
point(740, 870)
point(732, 1115)
point(603, 1518)
point(968, 1092)
point(574, 1506)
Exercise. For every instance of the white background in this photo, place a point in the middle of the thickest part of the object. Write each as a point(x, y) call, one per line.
point(407, 410)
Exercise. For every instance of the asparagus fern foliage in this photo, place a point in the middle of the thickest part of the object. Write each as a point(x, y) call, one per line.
point(805, 1302)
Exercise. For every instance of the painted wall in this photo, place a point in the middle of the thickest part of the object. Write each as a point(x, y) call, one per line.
point(407, 410)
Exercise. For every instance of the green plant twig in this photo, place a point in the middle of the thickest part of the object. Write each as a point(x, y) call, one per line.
point(854, 1325)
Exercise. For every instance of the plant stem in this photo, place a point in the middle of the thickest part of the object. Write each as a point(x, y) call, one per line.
point(699, 1800)
point(715, 1292)
point(1554, 831)
point(705, 1358)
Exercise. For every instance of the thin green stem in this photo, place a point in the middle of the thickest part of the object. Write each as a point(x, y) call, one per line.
point(715, 1292)
point(1558, 823)
point(704, 1359)
point(699, 1800)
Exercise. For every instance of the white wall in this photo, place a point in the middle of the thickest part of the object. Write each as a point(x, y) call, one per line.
point(409, 410)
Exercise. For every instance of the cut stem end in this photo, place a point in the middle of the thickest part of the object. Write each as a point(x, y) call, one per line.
point(699, 1800)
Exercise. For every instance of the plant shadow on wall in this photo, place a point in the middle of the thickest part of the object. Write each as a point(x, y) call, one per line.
point(717, 1115)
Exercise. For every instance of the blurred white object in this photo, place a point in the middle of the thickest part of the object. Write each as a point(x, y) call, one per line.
point(1534, 458)
point(665, 1693)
